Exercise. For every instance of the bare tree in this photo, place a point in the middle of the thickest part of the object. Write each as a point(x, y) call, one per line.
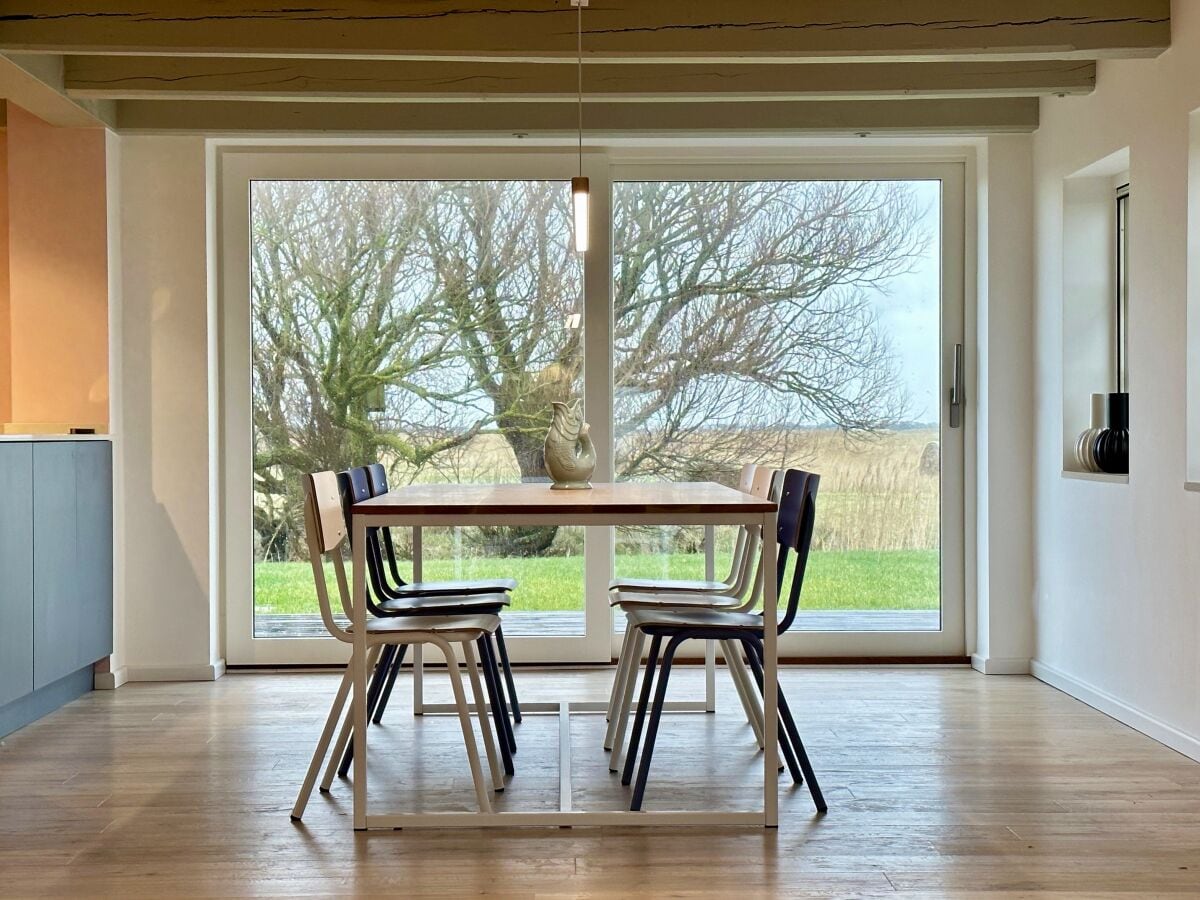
point(740, 309)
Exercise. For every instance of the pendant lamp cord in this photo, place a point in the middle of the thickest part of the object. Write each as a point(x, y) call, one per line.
point(579, 52)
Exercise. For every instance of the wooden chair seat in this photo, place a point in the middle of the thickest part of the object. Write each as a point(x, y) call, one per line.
point(633, 601)
point(695, 620)
point(439, 625)
point(683, 586)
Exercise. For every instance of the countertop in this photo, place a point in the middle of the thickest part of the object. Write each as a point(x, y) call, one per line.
point(27, 438)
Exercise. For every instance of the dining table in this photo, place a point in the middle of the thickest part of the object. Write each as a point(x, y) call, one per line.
point(421, 506)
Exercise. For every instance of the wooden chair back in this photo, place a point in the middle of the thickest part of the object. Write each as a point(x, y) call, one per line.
point(325, 530)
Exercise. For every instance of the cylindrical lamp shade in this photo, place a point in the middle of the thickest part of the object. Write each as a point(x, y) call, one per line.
point(579, 199)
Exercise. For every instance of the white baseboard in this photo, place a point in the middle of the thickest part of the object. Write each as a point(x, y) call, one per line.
point(1187, 744)
point(998, 665)
point(210, 672)
point(110, 681)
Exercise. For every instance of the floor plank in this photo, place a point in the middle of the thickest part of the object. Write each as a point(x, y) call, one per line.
point(941, 782)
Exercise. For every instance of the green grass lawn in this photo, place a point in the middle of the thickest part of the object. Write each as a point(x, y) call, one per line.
point(853, 579)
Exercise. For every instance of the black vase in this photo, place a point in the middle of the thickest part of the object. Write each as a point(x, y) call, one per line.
point(1111, 448)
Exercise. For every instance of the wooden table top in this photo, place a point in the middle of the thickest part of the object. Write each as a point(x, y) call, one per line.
point(621, 498)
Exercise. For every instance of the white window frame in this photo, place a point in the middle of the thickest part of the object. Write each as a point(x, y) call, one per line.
point(235, 165)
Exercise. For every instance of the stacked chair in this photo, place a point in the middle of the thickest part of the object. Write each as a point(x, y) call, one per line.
point(327, 536)
point(695, 621)
point(394, 598)
point(740, 591)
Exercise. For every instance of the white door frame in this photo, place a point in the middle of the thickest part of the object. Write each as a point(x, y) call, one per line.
point(950, 641)
point(237, 164)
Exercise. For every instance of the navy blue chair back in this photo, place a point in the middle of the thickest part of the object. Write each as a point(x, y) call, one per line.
point(797, 515)
point(354, 486)
point(377, 479)
point(378, 483)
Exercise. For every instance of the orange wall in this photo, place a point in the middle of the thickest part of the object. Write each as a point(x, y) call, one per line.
point(58, 272)
point(5, 344)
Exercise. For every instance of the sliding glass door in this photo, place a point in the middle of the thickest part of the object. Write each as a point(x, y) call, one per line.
point(426, 325)
point(801, 322)
point(424, 311)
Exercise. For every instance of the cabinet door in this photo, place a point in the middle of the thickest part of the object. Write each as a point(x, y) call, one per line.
point(94, 550)
point(56, 626)
point(16, 571)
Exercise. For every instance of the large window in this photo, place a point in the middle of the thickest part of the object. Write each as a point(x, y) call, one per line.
point(789, 323)
point(425, 324)
point(423, 309)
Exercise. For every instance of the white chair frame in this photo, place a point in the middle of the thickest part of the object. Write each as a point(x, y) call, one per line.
point(764, 482)
point(326, 533)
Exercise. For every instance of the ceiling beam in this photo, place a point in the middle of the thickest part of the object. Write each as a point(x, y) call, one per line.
point(35, 84)
point(212, 78)
point(540, 30)
point(942, 117)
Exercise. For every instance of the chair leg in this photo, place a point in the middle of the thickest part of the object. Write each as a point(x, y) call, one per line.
point(373, 691)
point(618, 687)
point(784, 743)
point(746, 693)
point(464, 720)
point(631, 673)
point(481, 713)
point(793, 733)
point(615, 693)
point(508, 729)
point(660, 697)
point(318, 757)
point(491, 679)
point(509, 682)
point(639, 721)
point(397, 662)
point(343, 740)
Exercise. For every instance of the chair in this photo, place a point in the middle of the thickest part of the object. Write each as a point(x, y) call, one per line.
point(730, 582)
point(797, 510)
point(326, 535)
point(376, 486)
point(354, 487)
point(765, 483)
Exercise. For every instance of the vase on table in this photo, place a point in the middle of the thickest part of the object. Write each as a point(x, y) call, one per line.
point(569, 454)
point(1111, 447)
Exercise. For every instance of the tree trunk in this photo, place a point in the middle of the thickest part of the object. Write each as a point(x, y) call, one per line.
point(529, 540)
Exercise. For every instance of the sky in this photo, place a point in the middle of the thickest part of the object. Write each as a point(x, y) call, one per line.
point(908, 312)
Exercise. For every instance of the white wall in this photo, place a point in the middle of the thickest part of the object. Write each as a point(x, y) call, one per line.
point(1117, 617)
point(1003, 426)
point(163, 447)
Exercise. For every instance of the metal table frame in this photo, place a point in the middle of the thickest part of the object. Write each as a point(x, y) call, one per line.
point(566, 815)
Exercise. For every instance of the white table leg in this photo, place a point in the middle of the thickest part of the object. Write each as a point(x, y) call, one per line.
point(418, 660)
point(770, 674)
point(710, 648)
point(359, 663)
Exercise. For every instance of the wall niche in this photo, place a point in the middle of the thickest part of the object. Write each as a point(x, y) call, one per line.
point(1094, 321)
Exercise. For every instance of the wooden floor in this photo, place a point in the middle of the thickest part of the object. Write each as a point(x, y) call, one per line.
point(941, 783)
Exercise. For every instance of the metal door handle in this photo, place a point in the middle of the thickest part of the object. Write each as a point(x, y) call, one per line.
point(956, 388)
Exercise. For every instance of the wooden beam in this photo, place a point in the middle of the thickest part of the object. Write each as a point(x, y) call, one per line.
point(539, 30)
point(214, 78)
point(35, 83)
point(942, 117)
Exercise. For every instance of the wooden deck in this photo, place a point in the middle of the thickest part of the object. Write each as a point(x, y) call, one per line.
point(562, 624)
